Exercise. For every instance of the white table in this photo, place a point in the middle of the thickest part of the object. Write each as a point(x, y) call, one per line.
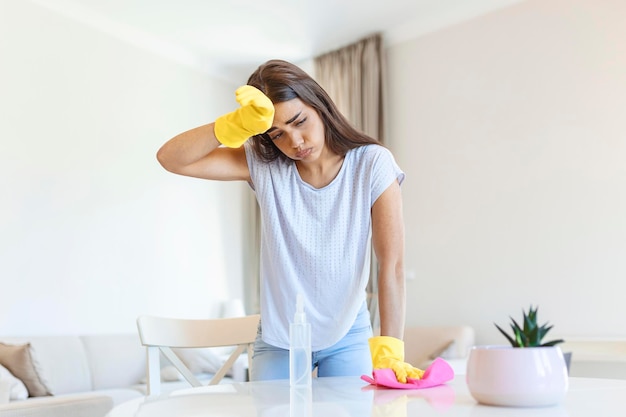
point(350, 396)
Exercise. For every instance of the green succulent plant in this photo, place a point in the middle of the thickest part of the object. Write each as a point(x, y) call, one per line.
point(530, 334)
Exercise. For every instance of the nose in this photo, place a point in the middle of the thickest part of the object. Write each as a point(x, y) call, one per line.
point(296, 139)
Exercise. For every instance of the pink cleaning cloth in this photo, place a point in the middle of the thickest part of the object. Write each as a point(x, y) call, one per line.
point(439, 372)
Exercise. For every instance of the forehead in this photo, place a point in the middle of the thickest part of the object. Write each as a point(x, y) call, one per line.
point(286, 110)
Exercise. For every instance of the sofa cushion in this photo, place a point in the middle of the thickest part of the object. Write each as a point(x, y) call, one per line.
point(119, 395)
point(61, 360)
point(73, 405)
point(19, 360)
point(115, 360)
point(17, 389)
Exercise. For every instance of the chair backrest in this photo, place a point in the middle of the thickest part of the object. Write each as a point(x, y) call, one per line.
point(161, 334)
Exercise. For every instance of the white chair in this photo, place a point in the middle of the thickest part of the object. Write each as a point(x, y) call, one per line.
point(160, 334)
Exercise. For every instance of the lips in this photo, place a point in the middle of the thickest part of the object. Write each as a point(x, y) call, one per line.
point(303, 153)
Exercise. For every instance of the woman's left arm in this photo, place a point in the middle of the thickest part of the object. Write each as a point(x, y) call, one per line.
point(388, 243)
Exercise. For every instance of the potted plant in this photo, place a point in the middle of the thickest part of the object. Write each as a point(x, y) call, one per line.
point(528, 373)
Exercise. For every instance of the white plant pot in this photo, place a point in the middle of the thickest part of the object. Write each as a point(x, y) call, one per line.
point(517, 377)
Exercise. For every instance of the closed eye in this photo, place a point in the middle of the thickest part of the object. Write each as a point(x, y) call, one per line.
point(278, 135)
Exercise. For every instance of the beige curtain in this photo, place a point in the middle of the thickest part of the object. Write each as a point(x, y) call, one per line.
point(353, 77)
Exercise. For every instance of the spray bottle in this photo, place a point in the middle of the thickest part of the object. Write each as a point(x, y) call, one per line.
point(300, 347)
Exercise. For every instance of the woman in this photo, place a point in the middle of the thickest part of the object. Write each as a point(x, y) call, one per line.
point(327, 193)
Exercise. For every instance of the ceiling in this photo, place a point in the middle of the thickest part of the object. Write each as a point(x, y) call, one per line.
point(230, 38)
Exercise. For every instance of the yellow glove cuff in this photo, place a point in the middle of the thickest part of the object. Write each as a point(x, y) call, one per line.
point(385, 347)
point(229, 134)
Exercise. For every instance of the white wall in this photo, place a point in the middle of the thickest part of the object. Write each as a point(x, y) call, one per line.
point(93, 231)
point(512, 131)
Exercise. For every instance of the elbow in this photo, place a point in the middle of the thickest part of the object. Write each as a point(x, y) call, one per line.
point(163, 160)
point(398, 264)
point(392, 268)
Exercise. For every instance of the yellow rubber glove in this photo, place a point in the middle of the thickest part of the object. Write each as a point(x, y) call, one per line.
point(255, 116)
point(388, 352)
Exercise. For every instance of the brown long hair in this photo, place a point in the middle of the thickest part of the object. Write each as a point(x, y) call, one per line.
point(282, 81)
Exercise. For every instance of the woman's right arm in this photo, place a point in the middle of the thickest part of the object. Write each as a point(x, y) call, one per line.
point(197, 153)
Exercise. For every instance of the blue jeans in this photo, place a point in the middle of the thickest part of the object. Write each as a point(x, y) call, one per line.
point(348, 357)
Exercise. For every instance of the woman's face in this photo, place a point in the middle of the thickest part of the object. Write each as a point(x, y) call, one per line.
point(297, 131)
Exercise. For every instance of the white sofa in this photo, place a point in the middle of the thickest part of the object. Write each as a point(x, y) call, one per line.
point(86, 375)
point(596, 357)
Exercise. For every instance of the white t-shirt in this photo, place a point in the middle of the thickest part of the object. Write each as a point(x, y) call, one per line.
point(316, 241)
